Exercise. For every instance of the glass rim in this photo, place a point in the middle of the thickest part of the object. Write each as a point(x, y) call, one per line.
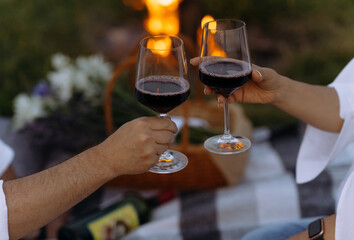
point(181, 43)
point(243, 24)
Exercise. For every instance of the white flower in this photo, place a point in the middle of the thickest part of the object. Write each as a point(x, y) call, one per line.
point(27, 109)
point(95, 67)
point(82, 83)
point(60, 61)
point(87, 76)
point(61, 83)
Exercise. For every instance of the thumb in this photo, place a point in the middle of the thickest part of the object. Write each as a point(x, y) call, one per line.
point(195, 61)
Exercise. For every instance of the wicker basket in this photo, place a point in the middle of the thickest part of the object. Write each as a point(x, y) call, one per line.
point(204, 170)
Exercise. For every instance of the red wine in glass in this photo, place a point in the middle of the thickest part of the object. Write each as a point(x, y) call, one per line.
point(224, 76)
point(162, 93)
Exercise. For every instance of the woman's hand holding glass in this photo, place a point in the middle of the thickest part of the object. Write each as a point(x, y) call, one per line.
point(225, 66)
point(264, 87)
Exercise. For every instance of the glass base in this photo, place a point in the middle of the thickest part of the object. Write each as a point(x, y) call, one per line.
point(171, 161)
point(227, 144)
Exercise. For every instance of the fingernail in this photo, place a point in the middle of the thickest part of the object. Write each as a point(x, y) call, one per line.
point(259, 73)
point(205, 91)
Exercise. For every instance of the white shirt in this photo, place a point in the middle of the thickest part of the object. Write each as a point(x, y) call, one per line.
point(6, 156)
point(318, 148)
point(4, 232)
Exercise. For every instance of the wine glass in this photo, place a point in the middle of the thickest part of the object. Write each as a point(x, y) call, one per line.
point(161, 85)
point(225, 66)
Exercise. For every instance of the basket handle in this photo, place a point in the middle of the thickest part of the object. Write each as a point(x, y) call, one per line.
point(109, 91)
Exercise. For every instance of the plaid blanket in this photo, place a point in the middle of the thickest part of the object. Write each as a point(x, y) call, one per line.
point(267, 194)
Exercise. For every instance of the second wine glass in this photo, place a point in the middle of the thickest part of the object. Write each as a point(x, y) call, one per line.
point(161, 85)
point(225, 66)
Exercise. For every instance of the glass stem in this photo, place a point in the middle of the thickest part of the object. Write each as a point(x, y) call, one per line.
point(166, 156)
point(226, 121)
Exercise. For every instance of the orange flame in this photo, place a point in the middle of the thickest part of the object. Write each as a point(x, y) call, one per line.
point(163, 17)
point(232, 146)
point(214, 49)
point(205, 19)
point(160, 46)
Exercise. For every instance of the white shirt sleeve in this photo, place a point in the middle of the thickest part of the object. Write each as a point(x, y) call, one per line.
point(6, 156)
point(319, 147)
point(345, 209)
point(4, 232)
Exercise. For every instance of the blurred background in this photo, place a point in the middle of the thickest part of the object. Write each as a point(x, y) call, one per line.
point(309, 41)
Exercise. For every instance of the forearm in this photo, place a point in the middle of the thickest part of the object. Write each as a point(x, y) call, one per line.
point(313, 104)
point(35, 200)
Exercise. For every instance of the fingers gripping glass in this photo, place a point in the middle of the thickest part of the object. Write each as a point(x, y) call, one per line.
point(225, 66)
point(161, 85)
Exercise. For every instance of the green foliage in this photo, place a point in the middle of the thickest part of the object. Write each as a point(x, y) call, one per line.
point(267, 115)
point(31, 31)
point(263, 12)
point(310, 41)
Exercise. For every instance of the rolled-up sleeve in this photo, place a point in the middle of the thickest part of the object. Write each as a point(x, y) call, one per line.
point(6, 156)
point(4, 233)
point(319, 147)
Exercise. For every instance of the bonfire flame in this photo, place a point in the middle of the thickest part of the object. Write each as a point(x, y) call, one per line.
point(214, 48)
point(160, 46)
point(163, 17)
